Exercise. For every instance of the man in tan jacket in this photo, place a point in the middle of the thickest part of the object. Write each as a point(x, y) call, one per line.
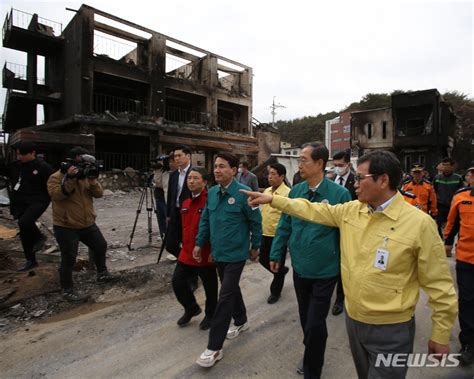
point(74, 217)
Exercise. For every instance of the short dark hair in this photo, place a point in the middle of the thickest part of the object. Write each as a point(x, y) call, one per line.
point(202, 171)
point(279, 168)
point(383, 162)
point(77, 150)
point(185, 149)
point(25, 147)
point(232, 159)
point(245, 164)
point(342, 155)
point(319, 152)
point(449, 160)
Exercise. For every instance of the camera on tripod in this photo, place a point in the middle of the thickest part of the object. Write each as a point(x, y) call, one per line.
point(160, 161)
point(87, 166)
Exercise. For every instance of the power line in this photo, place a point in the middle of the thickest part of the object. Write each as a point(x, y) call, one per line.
point(274, 107)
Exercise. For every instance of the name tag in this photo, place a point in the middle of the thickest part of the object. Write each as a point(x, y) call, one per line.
point(381, 259)
point(17, 187)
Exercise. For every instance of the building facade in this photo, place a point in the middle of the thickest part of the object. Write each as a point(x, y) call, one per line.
point(124, 91)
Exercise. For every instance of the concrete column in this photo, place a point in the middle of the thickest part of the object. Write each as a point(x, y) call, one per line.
point(31, 72)
point(87, 69)
point(157, 66)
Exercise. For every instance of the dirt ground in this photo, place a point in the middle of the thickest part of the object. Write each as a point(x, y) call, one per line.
point(128, 329)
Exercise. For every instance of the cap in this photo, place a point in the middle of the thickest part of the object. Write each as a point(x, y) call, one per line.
point(470, 169)
point(25, 147)
point(417, 167)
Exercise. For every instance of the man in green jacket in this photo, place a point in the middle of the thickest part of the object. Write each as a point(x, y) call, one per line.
point(315, 255)
point(232, 227)
point(389, 250)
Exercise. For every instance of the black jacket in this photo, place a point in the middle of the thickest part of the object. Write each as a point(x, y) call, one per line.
point(349, 184)
point(28, 184)
point(173, 193)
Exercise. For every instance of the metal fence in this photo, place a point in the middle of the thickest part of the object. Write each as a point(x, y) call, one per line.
point(116, 104)
point(123, 160)
point(185, 116)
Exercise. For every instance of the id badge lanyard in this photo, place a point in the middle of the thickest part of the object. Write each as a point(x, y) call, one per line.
point(382, 256)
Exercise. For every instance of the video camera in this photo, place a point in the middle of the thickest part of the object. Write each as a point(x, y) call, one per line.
point(88, 166)
point(160, 161)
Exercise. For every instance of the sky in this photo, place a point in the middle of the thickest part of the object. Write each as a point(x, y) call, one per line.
point(313, 56)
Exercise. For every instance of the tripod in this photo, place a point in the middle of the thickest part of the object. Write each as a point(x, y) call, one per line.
point(146, 197)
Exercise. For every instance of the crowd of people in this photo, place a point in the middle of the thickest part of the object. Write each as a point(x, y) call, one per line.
point(368, 233)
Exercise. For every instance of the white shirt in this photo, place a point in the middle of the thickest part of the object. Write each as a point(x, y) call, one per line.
point(382, 207)
point(181, 178)
point(344, 178)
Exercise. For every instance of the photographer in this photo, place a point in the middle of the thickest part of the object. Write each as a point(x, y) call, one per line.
point(161, 177)
point(72, 189)
point(29, 199)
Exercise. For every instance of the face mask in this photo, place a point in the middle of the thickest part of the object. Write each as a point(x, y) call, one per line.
point(341, 171)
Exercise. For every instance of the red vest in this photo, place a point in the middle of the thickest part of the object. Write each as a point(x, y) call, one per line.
point(191, 212)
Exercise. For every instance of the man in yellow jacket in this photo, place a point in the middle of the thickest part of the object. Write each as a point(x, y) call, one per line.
point(72, 192)
point(389, 249)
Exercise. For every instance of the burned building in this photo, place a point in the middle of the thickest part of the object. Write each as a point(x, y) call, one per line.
point(372, 129)
point(122, 90)
point(419, 127)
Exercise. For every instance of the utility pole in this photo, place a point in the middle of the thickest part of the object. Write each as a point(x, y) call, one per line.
point(274, 107)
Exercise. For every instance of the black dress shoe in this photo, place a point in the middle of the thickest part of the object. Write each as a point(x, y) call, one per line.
point(272, 299)
point(337, 309)
point(205, 323)
point(28, 266)
point(188, 316)
point(467, 355)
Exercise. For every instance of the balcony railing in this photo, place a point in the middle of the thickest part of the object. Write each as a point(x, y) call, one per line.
point(123, 160)
point(19, 71)
point(116, 104)
point(185, 116)
point(112, 48)
point(227, 124)
point(23, 20)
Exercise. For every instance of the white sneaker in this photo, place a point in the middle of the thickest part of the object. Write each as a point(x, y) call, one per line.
point(171, 257)
point(210, 357)
point(235, 330)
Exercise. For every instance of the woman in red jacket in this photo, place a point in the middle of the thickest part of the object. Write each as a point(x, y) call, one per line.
point(187, 267)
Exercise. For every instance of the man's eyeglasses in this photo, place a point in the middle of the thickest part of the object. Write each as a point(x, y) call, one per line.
point(359, 177)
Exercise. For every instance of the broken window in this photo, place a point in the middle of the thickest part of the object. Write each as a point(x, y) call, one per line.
point(369, 130)
point(384, 130)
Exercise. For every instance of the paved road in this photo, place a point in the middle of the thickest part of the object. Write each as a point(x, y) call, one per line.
point(140, 339)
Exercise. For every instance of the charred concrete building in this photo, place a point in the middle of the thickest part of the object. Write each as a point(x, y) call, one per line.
point(419, 127)
point(123, 91)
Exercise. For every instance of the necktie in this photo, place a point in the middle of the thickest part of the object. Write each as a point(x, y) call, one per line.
point(341, 181)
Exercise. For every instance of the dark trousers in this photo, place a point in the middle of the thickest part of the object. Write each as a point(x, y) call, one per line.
point(264, 259)
point(29, 232)
point(441, 219)
point(68, 241)
point(339, 291)
point(160, 205)
point(174, 233)
point(368, 340)
point(465, 279)
point(182, 274)
point(229, 305)
point(314, 300)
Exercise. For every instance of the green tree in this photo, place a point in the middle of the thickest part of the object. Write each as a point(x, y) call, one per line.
point(464, 136)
